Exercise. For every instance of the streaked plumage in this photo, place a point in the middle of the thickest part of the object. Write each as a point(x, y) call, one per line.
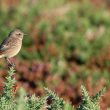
point(12, 44)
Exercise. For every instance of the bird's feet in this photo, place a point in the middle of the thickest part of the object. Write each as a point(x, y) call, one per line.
point(11, 65)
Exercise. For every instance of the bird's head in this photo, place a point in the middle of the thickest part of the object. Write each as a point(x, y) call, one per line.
point(16, 33)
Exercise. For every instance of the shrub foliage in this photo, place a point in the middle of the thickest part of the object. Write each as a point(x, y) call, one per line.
point(9, 101)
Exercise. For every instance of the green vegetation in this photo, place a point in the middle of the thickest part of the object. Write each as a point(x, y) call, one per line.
point(8, 100)
point(67, 44)
point(89, 103)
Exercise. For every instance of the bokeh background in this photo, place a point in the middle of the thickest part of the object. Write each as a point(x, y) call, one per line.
point(68, 45)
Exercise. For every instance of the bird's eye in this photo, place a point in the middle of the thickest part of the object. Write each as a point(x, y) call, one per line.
point(19, 34)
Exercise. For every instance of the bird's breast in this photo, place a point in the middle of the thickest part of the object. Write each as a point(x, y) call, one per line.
point(13, 47)
point(13, 50)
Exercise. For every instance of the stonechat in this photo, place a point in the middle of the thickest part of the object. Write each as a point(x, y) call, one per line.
point(11, 45)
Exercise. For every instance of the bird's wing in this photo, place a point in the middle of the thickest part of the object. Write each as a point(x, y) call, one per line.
point(4, 45)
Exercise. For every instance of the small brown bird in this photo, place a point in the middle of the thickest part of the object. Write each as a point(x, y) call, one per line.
point(11, 45)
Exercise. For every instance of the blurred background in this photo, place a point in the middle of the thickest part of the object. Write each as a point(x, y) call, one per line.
point(68, 45)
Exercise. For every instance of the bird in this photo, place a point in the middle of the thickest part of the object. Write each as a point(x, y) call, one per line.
point(11, 45)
